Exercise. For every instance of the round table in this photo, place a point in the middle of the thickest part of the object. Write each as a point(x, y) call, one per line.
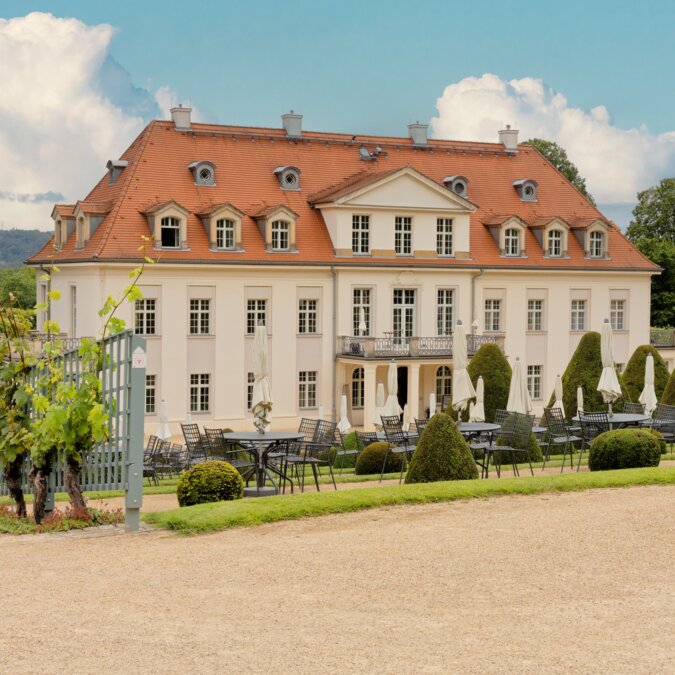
point(260, 446)
point(621, 420)
point(474, 428)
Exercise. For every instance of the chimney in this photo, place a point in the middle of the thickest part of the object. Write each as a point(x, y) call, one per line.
point(509, 139)
point(181, 118)
point(292, 123)
point(418, 133)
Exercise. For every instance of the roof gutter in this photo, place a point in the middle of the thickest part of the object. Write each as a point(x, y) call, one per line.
point(335, 365)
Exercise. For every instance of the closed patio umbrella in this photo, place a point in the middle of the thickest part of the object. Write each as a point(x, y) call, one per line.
point(163, 430)
point(580, 399)
point(362, 321)
point(519, 398)
point(558, 403)
point(609, 383)
point(648, 395)
point(477, 410)
point(406, 418)
point(261, 403)
point(344, 424)
point(432, 404)
point(391, 405)
point(379, 403)
point(462, 387)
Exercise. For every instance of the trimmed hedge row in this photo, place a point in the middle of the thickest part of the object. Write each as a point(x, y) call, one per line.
point(624, 449)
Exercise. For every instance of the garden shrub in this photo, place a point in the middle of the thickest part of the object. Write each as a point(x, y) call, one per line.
point(634, 374)
point(534, 453)
point(371, 459)
point(209, 482)
point(441, 454)
point(624, 449)
point(669, 392)
point(663, 443)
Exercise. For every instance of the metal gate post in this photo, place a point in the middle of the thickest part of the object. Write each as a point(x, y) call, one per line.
point(136, 400)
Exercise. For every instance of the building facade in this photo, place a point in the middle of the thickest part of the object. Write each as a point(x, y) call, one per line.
point(351, 251)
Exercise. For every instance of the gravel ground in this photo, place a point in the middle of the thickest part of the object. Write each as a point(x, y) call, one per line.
point(555, 583)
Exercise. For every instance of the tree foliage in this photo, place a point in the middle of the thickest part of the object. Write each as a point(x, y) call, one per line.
point(652, 231)
point(490, 362)
point(17, 245)
point(634, 374)
point(20, 282)
point(669, 392)
point(557, 155)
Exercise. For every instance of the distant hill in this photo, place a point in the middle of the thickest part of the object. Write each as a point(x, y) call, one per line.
point(17, 245)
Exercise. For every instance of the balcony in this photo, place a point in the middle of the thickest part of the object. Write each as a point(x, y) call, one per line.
point(40, 339)
point(410, 347)
point(663, 338)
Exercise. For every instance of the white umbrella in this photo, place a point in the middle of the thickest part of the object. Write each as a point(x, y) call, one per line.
point(609, 383)
point(163, 430)
point(406, 418)
point(477, 411)
point(261, 404)
point(391, 405)
point(580, 399)
point(462, 387)
point(188, 417)
point(363, 327)
point(519, 398)
point(344, 425)
point(648, 395)
point(558, 403)
point(379, 403)
point(432, 404)
point(321, 412)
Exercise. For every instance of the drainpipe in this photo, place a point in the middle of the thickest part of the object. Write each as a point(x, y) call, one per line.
point(334, 321)
point(49, 288)
point(473, 296)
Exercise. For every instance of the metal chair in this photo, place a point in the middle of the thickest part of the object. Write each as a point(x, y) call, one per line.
point(232, 453)
point(420, 425)
point(512, 439)
point(341, 452)
point(197, 445)
point(400, 441)
point(663, 421)
point(634, 408)
point(314, 453)
point(592, 424)
point(150, 460)
point(558, 435)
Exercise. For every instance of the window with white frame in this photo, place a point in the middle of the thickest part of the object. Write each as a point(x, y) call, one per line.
point(170, 232)
point(444, 236)
point(493, 315)
point(200, 391)
point(404, 312)
point(256, 314)
point(200, 316)
point(403, 235)
point(225, 233)
point(554, 243)
point(443, 383)
point(534, 382)
point(307, 388)
point(360, 234)
point(73, 311)
point(535, 315)
point(578, 315)
point(617, 314)
point(444, 309)
point(250, 381)
point(280, 235)
point(358, 388)
point(596, 244)
point(150, 394)
point(145, 317)
point(307, 316)
point(512, 242)
point(361, 310)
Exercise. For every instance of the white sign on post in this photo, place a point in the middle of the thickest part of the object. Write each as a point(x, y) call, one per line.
point(139, 358)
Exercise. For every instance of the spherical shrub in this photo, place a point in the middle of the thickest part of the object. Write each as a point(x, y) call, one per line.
point(663, 443)
point(371, 459)
point(624, 449)
point(209, 482)
point(441, 454)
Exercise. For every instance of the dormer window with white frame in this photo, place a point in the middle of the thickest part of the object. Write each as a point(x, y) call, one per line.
point(596, 244)
point(80, 233)
point(527, 189)
point(288, 177)
point(168, 224)
point(554, 243)
point(225, 233)
point(222, 223)
point(170, 232)
point(204, 172)
point(277, 225)
point(512, 242)
point(280, 235)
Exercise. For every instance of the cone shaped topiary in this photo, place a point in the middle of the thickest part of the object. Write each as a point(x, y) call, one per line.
point(669, 392)
point(441, 454)
point(634, 374)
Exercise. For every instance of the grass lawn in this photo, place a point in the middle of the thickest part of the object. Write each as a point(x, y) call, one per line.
point(223, 515)
point(58, 521)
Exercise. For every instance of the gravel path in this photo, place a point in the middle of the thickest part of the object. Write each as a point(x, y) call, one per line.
point(554, 583)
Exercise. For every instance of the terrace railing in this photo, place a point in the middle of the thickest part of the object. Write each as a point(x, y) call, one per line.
point(662, 337)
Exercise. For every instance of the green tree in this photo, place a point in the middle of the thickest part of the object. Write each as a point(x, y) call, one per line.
point(490, 362)
point(558, 157)
point(669, 392)
point(652, 231)
point(20, 282)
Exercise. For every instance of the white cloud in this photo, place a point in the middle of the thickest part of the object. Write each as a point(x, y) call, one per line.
point(616, 162)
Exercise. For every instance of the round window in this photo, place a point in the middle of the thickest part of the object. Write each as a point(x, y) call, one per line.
point(529, 191)
point(460, 188)
point(290, 179)
point(205, 174)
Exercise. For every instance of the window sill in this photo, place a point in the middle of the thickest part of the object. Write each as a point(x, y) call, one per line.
point(579, 331)
point(200, 335)
point(200, 412)
point(312, 408)
point(404, 255)
point(445, 255)
point(252, 335)
point(361, 255)
point(620, 330)
point(149, 336)
point(236, 249)
point(536, 332)
point(308, 335)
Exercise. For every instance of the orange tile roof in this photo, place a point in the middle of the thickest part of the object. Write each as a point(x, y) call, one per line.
point(246, 157)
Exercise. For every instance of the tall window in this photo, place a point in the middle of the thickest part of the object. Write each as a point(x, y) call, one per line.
point(534, 381)
point(444, 236)
point(404, 312)
point(444, 304)
point(578, 317)
point(280, 229)
point(79, 232)
point(443, 384)
point(256, 313)
point(199, 392)
point(307, 316)
point(250, 381)
point(512, 241)
point(361, 310)
point(617, 309)
point(596, 247)
point(73, 311)
point(358, 388)
point(224, 233)
point(403, 235)
point(150, 394)
point(170, 232)
point(307, 388)
point(360, 234)
point(145, 322)
point(200, 317)
point(493, 315)
point(555, 243)
point(535, 315)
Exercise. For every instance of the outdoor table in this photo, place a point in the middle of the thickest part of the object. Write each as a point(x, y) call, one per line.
point(471, 429)
point(412, 436)
point(621, 420)
point(260, 446)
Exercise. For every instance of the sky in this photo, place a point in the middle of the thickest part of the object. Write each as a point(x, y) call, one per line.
point(80, 79)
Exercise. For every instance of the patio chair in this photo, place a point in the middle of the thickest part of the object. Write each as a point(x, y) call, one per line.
point(232, 453)
point(634, 408)
point(197, 445)
point(663, 421)
point(150, 461)
point(399, 439)
point(419, 425)
point(313, 452)
point(446, 400)
point(512, 440)
point(592, 425)
point(162, 459)
point(342, 452)
point(558, 435)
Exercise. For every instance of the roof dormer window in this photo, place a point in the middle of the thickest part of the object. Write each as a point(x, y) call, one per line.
point(554, 243)
point(280, 235)
point(115, 168)
point(596, 244)
point(170, 232)
point(277, 226)
point(458, 184)
point(512, 242)
point(288, 177)
point(527, 189)
point(204, 172)
point(168, 224)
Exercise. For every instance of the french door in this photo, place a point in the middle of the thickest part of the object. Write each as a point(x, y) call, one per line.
point(404, 312)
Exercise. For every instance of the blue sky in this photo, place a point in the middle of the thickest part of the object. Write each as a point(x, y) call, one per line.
point(373, 67)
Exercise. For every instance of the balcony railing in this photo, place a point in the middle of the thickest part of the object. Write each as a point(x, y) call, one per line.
point(409, 347)
point(39, 340)
point(662, 337)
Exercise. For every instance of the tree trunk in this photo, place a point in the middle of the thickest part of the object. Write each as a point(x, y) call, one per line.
point(12, 472)
point(72, 480)
point(39, 478)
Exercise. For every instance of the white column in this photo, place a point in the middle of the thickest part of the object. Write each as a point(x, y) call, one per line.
point(369, 392)
point(414, 390)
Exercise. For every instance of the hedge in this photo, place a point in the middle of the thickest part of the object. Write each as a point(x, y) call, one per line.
point(371, 459)
point(669, 392)
point(634, 374)
point(490, 362)
point(624, 449)
point(209, 482)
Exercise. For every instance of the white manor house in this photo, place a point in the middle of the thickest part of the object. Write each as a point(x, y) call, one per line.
point(351, 250)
